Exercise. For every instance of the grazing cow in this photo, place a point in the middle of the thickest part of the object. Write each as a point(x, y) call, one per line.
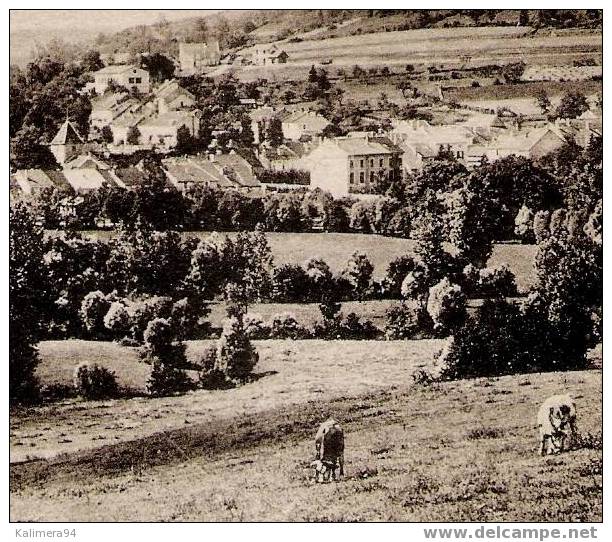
point(329, 445)
point(556, 422)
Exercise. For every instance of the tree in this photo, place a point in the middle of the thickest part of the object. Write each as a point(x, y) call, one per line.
point(523, 17)
point(572, 105)
point(236, 357)
point(91, 61)
point(133, 136)
point(246, 132)
point(313, 76)
point(446, 305)
point(26, 294)
point(358, 271)
point(159, 66)
point(274, 133)
point(543, 101)
point(107, 134)
point(184, 140)
point(513, 71)
point(27, 150)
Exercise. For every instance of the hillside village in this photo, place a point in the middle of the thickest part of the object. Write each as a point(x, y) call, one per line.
point(131, 114)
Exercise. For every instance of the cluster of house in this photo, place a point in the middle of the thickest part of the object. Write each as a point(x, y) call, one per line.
point(83, 172)
point(153, 120)
point(342, 166)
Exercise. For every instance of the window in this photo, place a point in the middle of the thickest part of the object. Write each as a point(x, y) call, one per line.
point(138, 79)
point(371, 176)
point(362, 177)
point(351, 164)
point(360, 163)
point(371, 162)
point(131, 79)
point(460, 154)
point(352, 178)
point(381, 162)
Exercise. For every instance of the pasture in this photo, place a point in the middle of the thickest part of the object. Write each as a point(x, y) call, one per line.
point(288, 372)
point(457, 451)
point(337, 248)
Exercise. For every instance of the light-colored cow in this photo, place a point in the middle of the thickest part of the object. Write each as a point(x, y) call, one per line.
point(556, 422)
point(329, 445)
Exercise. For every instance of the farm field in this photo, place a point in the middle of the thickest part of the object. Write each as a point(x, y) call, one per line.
point(439, 47)
point(521, 99)
point(337, 248)
point(457, 451)
point(288, 372)
point(522, 90)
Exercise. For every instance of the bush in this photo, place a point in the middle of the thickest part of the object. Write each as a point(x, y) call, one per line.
point(496, 282)
point(94, 307)
point(117, 319)
point(289, 284)
point(158, 337)
point(95, 382)
point(236, 357)
point(446, 306)
point(185, 318)
point(286, 326)
point(355, 328)
point(406, 320)
point(255, 328)
point(144, 310)
point(168, 359)
point(504, 339)
point(167, 379)
point(489, 281)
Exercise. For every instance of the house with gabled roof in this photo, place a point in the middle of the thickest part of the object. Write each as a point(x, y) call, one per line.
point(268, 53)
point(194, 58)
point(170, 96)
point(125, 75)
point(302, 123)
point(67, 143)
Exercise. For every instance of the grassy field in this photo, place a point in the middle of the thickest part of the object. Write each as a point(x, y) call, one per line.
point(337, 248)
point(459, 451)
point(522, 98)
point(440, 47)
point(288, 372)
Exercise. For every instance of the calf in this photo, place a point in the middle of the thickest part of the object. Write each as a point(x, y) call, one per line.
point(556, 422)
point(329, 445)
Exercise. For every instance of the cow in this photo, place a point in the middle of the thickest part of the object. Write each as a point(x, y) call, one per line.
point(556, 421)
point(329, 446)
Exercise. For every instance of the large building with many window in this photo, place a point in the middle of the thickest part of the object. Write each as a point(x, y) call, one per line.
point(353, 165)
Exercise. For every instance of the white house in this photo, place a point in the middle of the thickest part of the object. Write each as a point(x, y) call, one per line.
point(303, 123)
point(127, 76)
point(195, 57)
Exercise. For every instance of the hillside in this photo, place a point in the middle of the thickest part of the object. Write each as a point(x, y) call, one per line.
point(458, 451)
point(239, 28)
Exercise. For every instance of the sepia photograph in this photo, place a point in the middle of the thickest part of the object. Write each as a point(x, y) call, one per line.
point(306, 265)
